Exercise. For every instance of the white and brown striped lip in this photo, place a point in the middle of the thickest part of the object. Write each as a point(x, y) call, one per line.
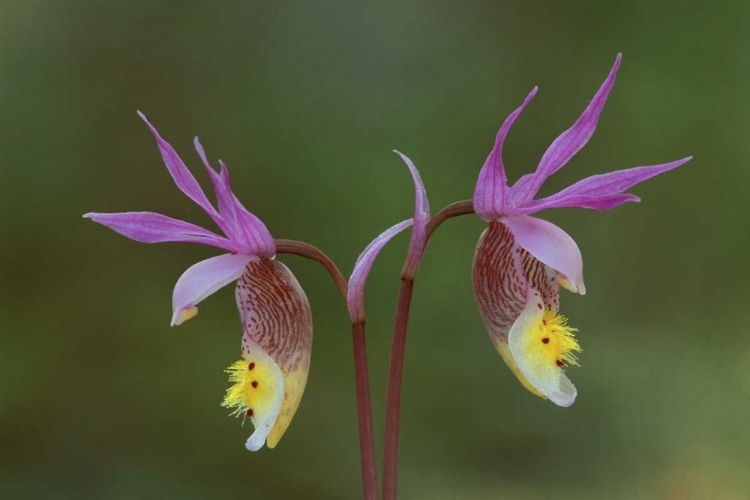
point(277, 324)
point(513, 290)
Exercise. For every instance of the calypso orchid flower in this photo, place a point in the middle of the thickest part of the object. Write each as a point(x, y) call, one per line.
point(269, 379)
point(521, 261)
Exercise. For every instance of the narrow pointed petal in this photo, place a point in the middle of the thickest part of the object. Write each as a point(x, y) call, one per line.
point(253, 229)
point(276, 344)
point(418, 242)
point(222, 188)
point(543, 374)
point(182, 176)
point(355, 298)
point(244, 226)
point(150, 227)
point(552, 246)
point(491, 192)
point(202, 280)
point(569, 142)
point(603, 191)
point(600, 202)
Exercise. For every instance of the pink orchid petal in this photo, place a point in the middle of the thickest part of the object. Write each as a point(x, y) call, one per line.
point(253, 229)
point(222, 189)
point(551, 245)
point(244, 226)
point(418, 242)
point(277, 323)
point(600, 203)
point(182, 176)
point(569, 142)
point(203, 279)
point(491, 192)
point(149, 227)
point(355, 298)
point(605, 186)
point(522, 184)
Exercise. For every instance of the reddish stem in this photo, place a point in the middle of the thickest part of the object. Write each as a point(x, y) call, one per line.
point(398, 348)
point(364, 414)
point(393, 401)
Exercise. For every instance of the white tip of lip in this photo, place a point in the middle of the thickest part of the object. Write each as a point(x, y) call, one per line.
point(257, 440)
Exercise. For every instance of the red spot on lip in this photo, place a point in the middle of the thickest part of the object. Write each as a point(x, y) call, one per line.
point(251, 366)
point(545, 340)
point(249, 412)
point(560, 363)
point(539, 306)
point(255, 383)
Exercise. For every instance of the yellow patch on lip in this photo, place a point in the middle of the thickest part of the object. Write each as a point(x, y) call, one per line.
point(542, 344)
point(257, 392)
point(557, 339)
point(254, 387)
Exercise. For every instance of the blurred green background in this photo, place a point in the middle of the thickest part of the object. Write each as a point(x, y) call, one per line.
point(100, 398)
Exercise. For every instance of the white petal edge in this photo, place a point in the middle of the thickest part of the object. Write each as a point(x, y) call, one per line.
point(202, 280)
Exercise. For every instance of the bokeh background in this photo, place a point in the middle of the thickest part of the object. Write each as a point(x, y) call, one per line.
point(100, 398)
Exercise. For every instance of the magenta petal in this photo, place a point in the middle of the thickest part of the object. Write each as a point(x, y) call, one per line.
point(251, 228)
point(182, 176)
point(149, 227)
point(569, 142)
point(202, 280)
point(606, 185)
point(600, 203)
point(491, 192)
point(222, 189)
point(418, 242)
point(355, 297)
point(550, 245)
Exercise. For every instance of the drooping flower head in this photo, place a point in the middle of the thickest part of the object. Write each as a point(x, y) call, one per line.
point(521, 261)
point(269, 380)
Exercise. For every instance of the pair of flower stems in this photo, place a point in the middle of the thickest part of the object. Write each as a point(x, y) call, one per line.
point(396, 365)
point(519, 266)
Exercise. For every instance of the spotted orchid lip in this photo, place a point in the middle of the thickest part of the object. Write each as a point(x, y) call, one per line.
point(278, 330)
point(518, 298)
